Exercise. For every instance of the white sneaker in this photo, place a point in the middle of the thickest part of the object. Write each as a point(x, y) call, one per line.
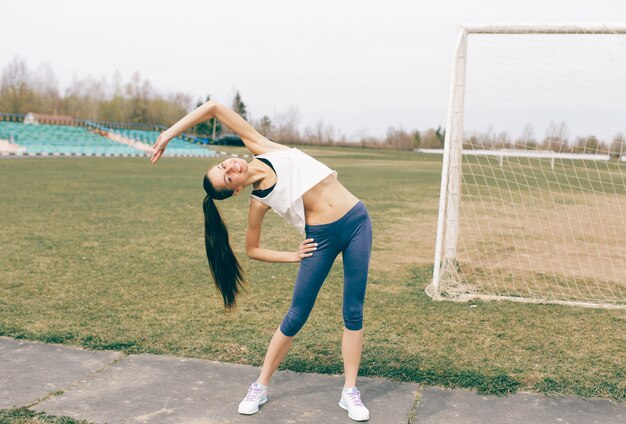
point(351, 402)
point(257, 395)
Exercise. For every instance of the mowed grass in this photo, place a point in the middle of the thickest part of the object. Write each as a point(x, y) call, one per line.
point(26, 416)
point(109, 254)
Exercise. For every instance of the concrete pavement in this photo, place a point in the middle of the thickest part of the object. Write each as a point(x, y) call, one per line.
point(111, 387)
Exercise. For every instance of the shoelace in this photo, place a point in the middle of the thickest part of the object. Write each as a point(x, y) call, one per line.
point(253, 392)
point(355, 398)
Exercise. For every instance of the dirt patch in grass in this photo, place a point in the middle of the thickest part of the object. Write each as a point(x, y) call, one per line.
point(572, 251)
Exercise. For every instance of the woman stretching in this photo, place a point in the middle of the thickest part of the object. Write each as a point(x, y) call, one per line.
point(307, 194)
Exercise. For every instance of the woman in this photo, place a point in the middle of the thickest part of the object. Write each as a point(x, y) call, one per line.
point(307, 194)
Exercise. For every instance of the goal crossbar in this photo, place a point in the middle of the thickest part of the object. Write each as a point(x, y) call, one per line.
point(543, 29)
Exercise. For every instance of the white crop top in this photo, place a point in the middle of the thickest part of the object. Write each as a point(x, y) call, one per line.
point(296, 173)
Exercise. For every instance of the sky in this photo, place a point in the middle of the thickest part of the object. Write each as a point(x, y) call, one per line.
point(358, 65)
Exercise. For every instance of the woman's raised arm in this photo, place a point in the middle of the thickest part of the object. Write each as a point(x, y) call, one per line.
point(254, 141)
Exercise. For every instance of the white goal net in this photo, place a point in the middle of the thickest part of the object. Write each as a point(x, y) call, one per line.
point(533, 192)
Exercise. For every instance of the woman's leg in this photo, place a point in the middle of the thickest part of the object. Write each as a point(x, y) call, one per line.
point(311, 275)
point(278, 348)
point(356, 258)
point(351, 347)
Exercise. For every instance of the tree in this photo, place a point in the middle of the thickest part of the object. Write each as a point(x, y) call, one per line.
point(502, 141)
point(206, 128)
point(398, 138)
point(138, 92)
point(441, 135)
point(46, 89)
point(84, 97)
point(617, 146)
point(286, 125)
point(417, 139)
point(321, 134)
point(16, 91)
point(526, 139)
point(430, 140)
point(115, 107)
point(587, 144)
point(239, 106)
point(264, 126)
point(556, 137)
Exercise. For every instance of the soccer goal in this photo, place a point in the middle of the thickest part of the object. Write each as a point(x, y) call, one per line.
point(533, 190)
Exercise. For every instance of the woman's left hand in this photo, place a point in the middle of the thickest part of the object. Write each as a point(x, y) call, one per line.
point(159, 146)
point(306, 249)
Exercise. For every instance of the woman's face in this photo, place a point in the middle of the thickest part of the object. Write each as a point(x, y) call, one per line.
point(231, 174)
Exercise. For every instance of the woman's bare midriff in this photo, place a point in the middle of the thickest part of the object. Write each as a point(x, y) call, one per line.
point(327, 201)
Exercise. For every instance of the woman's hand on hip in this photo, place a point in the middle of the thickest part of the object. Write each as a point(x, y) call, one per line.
point(306, 249)
point(159, 146)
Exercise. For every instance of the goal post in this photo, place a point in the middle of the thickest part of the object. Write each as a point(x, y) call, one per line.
point(524, 217)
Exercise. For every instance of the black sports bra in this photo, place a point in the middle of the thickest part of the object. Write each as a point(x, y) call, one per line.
point(267, 191)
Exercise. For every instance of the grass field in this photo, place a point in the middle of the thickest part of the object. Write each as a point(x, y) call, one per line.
point(108, 254)
point(26, 416)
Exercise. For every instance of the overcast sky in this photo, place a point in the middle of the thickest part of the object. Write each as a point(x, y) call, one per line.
point(359, 65)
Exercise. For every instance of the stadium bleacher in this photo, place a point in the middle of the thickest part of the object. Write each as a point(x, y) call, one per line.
point(90, 140)
point(48, 139)
point(176, 147)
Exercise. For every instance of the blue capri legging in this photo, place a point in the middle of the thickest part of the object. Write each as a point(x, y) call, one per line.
point(352, 236)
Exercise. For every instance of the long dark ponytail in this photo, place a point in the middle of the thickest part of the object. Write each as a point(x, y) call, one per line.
point(225, 268)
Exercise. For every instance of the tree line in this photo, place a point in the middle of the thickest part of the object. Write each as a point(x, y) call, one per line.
point(24, 90)
point(556, 139)
point(284, 127)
